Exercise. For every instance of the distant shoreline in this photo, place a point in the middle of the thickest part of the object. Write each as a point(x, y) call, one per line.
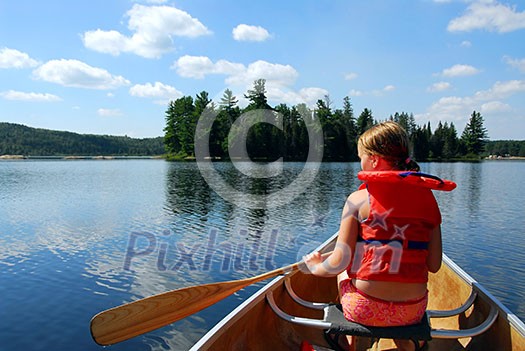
point(504, 158)
point(70, 157)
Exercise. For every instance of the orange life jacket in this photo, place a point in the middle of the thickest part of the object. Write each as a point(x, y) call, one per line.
point(393, 240)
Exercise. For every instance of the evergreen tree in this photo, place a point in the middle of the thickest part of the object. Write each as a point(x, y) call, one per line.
point(323, 113)
point(171, 139)
point(421, 142)
point(474, 135)
point(180, 127)
point(437, 140)
point(257, 96)
point(303, 117)
point(450, 144)
point(364, 121)
point(201, 102)
point(262, 136)
point(228, 101)
point(228, 113)
point(350, 129)
point(521, 152)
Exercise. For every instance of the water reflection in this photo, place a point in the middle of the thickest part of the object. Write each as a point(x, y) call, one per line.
point(186, 190)
point(475, 181)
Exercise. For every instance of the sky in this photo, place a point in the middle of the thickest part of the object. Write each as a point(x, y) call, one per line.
point(111, 67)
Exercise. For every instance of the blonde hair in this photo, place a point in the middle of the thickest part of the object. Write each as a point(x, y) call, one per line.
point(390, 141)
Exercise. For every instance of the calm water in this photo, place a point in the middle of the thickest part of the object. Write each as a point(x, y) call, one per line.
point(78, 237)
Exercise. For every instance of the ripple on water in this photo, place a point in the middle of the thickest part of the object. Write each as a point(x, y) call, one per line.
point(67, 230)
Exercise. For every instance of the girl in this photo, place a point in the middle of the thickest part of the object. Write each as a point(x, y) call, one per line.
point(391, 229)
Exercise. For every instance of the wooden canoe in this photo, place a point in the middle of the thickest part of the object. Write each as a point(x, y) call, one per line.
point(255, 326)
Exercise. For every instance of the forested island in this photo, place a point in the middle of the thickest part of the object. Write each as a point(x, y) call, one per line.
point(340, 129)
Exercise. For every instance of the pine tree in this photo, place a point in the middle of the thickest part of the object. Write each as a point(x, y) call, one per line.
point(228, 101)
point(257, 96)
point(228, 113)
point(171, 140)
point(180, 127)
point(350, 128)
point(474, 135)
point(450, 145)
point(364, 121)
point(421, 142)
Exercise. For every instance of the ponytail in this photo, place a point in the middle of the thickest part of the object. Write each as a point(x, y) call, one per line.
point(411, 165)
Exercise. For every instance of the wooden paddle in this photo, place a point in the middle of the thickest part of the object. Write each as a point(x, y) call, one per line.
point(138, 317)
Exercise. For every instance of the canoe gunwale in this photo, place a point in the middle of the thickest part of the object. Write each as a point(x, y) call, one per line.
point(244, 307)
point(237, 313)
point(504, 312)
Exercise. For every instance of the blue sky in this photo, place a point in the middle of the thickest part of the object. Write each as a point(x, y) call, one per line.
point(110, 67)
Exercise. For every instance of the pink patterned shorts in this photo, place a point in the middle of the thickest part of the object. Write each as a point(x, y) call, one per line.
point(371, 311)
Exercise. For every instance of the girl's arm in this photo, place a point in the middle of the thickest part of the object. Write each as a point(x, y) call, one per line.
point(435, 250)
point(341, 257)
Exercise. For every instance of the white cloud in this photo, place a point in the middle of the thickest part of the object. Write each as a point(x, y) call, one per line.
point(350, 76)
point(108, 42)
point(466, 44)
point(106, 112)
point(488, 15)
point(201, 66)
point(74, 73)
point(501, 90)
point(237, 73)
point(11, 58)
point(375, 92)
point(516, 63)
point(244, 32)
point(275, 73)
point(459, 70)
point(308, 96)
point(23, 96)
point(439, 86)
point(157, 90)
point(495, 106)
point(162, 92)
point(153, 28)
point(454, 108)
point(311, 95)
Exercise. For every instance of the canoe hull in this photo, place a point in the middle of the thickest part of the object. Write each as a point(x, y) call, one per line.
point(254, 326)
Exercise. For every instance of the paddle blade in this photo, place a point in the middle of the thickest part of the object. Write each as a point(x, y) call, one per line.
point(142, 316)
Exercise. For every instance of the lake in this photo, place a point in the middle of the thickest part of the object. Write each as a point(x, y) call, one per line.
point(78, 237)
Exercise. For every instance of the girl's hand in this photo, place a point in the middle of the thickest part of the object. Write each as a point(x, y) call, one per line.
point(312, 260)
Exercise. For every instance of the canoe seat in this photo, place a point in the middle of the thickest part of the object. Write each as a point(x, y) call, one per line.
point(334, 322)
point(342, 326)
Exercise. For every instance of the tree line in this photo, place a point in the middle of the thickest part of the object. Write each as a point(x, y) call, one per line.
point(17, 139)
point(506, 148)
point(340, 128)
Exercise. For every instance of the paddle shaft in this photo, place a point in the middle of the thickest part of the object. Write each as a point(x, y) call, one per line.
point(138, 317)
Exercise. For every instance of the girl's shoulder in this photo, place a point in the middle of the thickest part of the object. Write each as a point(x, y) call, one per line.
point(358, 197)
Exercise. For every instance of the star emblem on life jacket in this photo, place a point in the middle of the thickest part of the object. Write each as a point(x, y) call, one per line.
point(399, 232)
point(379, 219)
